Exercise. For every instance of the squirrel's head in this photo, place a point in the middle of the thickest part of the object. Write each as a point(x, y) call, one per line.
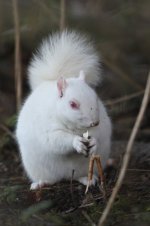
point(77, 104)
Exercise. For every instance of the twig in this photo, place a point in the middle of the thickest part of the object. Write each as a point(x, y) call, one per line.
point(100, 173)
point(8, 131)
point(123, 99)
point(18, 79)
point(86, 205)
point(99, 168)
point(90, 172)
point(127, 153)
point(139, 170)
point(51, 10)
point(91, 169)
point(43, 6)
point(71, 191)
point(62, 14)
point(71, 182)
point(118, 71)
point(88, 218)
point(71, 210)
point(11, 31)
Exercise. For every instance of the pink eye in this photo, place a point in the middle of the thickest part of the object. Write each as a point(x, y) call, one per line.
point(74, 104)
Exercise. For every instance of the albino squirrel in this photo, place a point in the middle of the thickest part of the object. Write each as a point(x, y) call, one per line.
point(61, 107)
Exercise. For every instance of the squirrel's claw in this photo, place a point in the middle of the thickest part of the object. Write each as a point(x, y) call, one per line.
point(92, 146)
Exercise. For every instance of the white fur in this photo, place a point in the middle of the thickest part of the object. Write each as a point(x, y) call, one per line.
point(64, 54)
point(49, 131)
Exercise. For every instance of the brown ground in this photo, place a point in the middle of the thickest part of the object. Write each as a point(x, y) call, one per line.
point(65, 203)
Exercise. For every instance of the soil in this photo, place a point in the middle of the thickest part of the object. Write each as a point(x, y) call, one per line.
point(65, 203)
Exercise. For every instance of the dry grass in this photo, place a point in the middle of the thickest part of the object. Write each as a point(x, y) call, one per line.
point(18, 77)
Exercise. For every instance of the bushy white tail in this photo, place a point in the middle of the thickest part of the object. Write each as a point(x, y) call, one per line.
point(64, 54)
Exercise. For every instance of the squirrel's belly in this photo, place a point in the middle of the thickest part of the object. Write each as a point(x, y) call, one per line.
point(54, 168)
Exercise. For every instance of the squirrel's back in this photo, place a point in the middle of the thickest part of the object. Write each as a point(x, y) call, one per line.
point(64, 54)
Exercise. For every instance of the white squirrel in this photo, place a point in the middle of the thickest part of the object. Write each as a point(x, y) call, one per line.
point(60, 108)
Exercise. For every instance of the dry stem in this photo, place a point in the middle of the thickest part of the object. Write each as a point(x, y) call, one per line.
point(127, 153)
point(100, 173)
point(123, 99)
point(18, 79)
point(8, 131)
point(90, 172)
point(88, 218)
point(99, 167)
point(122, 74)
point(62, 14)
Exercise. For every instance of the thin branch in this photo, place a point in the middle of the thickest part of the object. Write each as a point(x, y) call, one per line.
point(62, 14)
point(139, 170)
point(118, 71)
point(123, 99)
point(127, 153)
point(18, 79)
point(71, 182)
point(49, 10)
point(88, 218)
point(11, 31)
point(8, 131)
point(43, 6)
point(1, 15)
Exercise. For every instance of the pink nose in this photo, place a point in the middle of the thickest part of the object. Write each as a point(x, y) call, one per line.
point(94, 124)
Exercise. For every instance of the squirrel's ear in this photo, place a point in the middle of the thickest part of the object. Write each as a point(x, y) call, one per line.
point(61, 85)
point(82, 75)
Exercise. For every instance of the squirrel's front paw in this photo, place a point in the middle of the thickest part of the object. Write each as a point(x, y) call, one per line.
point(80, 145)
point(92, 146)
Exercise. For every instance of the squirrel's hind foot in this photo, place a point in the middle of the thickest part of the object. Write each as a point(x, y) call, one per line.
point(84, 180)
point(38, 185)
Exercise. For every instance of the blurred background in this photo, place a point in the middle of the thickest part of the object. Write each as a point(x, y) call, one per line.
point(120, 30)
